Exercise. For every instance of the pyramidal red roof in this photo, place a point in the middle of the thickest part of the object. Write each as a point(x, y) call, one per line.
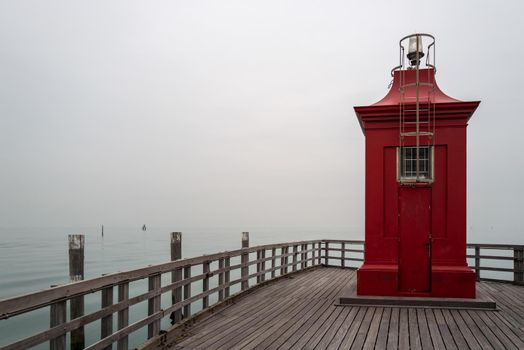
point(407, 78)
point(388, 108)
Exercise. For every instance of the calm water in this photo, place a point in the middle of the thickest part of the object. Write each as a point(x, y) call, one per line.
point(33, 259)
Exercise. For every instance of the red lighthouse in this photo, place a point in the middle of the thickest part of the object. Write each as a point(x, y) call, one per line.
point(416, 184)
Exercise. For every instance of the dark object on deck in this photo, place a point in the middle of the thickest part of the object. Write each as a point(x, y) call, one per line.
point(144, 227)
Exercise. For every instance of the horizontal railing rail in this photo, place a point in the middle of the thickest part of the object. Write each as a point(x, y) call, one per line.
point(271, 262)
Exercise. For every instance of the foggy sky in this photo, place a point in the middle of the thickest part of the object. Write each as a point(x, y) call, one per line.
point(238, 113)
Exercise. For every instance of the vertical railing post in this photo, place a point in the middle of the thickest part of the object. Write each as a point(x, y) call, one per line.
point(343, 254)
point(205, 284)
point(221, 279)
point(263, 265)
point(518, 265)
point(176, 275)
point(187, 291)
point(244, 261)
point(57, 317)
point(226, 276)
point(326, 252)
point(319, 253)
point(76, 273)
point(477, 262)
point(106, 324)
point(123, 315)
point(153, 305)
point(282, 260)
point(286, 261)
point(295, 257)
point(258, 266)
point(273, 262)
point(303, 256)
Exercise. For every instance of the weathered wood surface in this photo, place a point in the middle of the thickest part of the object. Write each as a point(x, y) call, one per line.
point(299, 312)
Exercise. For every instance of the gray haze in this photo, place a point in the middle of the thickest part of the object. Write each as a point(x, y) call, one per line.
point(238, 113)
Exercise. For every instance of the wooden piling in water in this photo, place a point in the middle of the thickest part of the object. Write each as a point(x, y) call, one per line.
point(244, 261)
point(176, 254)
point(76, 273)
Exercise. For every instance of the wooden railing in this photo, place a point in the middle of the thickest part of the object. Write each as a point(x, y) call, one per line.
point(256, 266)
point(485, 255)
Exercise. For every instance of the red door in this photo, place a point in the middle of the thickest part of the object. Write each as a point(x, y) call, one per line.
point(415, 249)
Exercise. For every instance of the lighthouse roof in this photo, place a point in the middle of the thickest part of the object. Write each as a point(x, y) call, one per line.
point(404, 88)
point(403, 96)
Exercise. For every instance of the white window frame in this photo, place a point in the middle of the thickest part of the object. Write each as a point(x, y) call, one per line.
point(413, 179)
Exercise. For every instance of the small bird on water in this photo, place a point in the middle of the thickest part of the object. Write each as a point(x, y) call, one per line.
point(144, 227)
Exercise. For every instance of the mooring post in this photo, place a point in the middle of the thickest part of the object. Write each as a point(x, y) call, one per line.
point(176, 275)
point(244, 262)
point(76, 273)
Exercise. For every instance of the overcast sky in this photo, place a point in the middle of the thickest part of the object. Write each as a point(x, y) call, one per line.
point(231, 113)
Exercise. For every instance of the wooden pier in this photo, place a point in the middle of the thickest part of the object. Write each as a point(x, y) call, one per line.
point(300, 313)
point(267, 297)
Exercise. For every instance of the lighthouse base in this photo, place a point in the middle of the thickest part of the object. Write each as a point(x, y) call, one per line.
point(445, 282)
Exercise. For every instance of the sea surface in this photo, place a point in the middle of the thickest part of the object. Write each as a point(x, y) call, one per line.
point(32, 259)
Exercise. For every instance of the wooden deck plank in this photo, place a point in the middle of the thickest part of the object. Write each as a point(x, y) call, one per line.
point(261, 337)
point(493, 339)
point(475, 330)
point(393, 329)
point(466, 332)
point(414, 334)
point(300, 313)
point(356, 340)
point(444, 330)
point(436, 337)
point(425, 337)
point(347, 329)
point(237, 331)
point(454, 330)
point(344, 322)
point(313, 341)
point(371, 336)
point(268, 305)
point(403, 331)
point(382, 336)
point(285, 333)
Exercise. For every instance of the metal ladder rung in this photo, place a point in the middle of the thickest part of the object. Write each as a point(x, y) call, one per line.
point(414, 133)
point(415, 84)
point(420, 110)
point(415, 122)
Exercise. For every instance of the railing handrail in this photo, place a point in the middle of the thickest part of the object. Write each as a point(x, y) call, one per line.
point(495, 246)
point(35, 300)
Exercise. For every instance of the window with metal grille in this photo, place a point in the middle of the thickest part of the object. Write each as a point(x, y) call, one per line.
point(408, 163)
